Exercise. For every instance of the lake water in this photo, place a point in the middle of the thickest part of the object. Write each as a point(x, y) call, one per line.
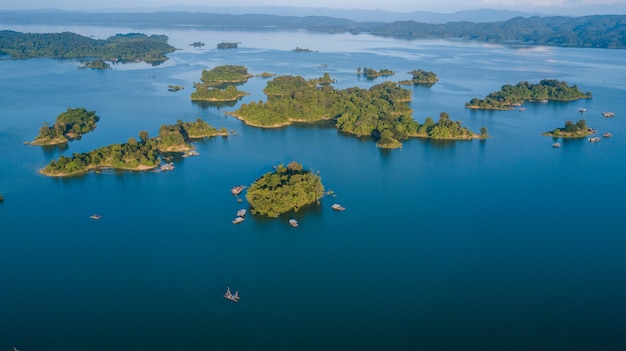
point(503, 244)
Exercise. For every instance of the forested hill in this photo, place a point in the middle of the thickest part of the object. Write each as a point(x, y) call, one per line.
point(605, 31)
point(598, 31)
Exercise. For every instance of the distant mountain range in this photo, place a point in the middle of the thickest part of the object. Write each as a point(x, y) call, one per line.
point(597, 31)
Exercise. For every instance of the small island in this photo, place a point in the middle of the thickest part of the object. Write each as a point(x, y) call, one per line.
point(95, 64)
point(380, 112)
point(130, 47)
point(421, 77)
point(371, 73)
point(266, 75)
point(571, 130)
point(218, 84)
point(175, 88)
point(137, 155)
point(299, 49)
point(227, 45)
point(197, 44)
point(510, 96)
point(285, 189)
point(69, 125)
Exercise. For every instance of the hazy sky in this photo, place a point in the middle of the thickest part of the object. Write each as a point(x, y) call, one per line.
point(578, 7)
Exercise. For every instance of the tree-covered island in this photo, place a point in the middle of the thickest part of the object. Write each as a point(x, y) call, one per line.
point(421, 77)
point(285, 189)
point(137, 155)
point(227, 45)
point(510, 95)
point(371, 73)
point(381, 112)
point(218, 84)
point(119, 48)
point(95, 64)
point(571, 130)
point(69, 125)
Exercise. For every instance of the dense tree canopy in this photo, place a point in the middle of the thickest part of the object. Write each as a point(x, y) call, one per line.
point(134, 154)
point(69, 125)
point(285, 189)
point(509, 95)
point(572, 130)
point(381, 112)
point(120, 48)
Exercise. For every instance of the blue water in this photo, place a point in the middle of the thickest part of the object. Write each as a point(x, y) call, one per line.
point(503, 244)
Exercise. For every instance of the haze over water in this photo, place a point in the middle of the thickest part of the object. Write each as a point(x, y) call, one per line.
point(502, 244)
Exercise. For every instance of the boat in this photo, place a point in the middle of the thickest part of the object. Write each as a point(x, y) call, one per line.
point(238, 220)
point(230, 296)
point(167, 166)
point(607, 135)
point(338, 207)
point(236, 190)
point(191, 153)
point(608, 114)
point(521, 109)
point(543, 101)
point(594, 139)
point(582, 110)
point(95, 216)
point(293, 222)
point(556, 145)
point(241, 213)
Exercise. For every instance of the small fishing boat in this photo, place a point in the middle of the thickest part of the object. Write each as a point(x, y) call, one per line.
point(556, 145)
point(230, 296)
point(338, 207)
point(607, 135)
point(608, 114)
point(582, 110)
point(293, 222)
point(594, 139)
point(236, 190)
point(238, 220)
point(95, 216)
point(241, 213)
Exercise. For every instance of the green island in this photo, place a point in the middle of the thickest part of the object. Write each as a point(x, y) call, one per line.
point(119, 48)
point(266, 75)
point(299, 49)
point(371, 73)
point(510, 96)
point(197, 44)
point(218, 84)
point(175, 88)
point(285, 189)
point(136, 155)
point(571, 130)
point(69, 125)
point(95, 64)
point(421, 77)
point(381, 112)
point(227, 45)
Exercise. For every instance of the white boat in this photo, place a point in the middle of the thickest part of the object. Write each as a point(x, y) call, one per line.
point(238, 220)
point(95, 216)
point(556, 145)
point(236, 190)
point(241, 213)
point(293, 222)
point(230, 296)
point(338, 207)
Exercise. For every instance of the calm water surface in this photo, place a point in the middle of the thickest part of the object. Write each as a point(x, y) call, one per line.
point(503, 244)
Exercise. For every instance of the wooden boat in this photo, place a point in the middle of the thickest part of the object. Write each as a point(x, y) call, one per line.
point(241, 213)
point(230, 296)
point(238, 220)
point(556, 145)
point(338, 207)
point(293, 222)
point(607, 135)
point(236, 190)
point(95, 216)
point(608, 114)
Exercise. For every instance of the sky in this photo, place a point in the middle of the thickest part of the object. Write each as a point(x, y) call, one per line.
point(564, 7)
